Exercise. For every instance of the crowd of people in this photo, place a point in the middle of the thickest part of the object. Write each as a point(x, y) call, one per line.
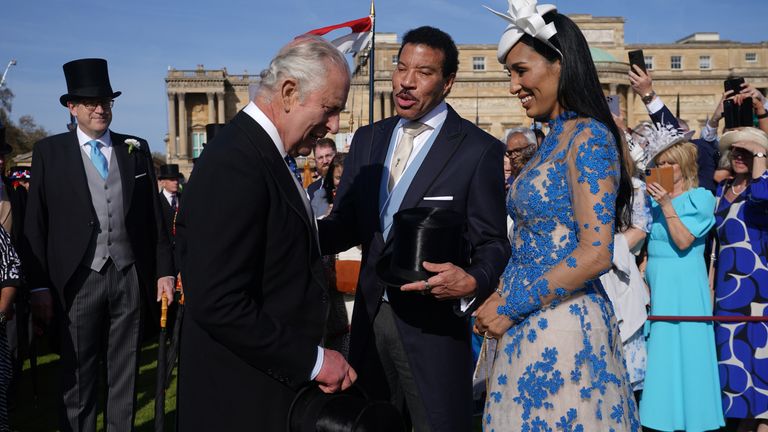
point(615, 278)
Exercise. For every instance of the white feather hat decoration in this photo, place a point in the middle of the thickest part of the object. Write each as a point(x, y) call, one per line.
point(525, 17)
point(661, 137)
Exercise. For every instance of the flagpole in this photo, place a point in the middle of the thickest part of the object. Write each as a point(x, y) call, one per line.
point(371, 64)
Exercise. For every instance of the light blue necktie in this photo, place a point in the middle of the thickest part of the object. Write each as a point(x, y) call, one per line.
point(98, 159)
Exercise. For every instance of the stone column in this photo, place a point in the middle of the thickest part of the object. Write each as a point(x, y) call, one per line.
point(612, 88)
point(377, 114)
point(220, 97)
point(172, 149)
point(183, 129)
point(211, 108)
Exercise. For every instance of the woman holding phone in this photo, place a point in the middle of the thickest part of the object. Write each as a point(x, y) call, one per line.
point(682, 387)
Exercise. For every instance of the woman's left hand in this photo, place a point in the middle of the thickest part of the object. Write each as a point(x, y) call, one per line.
point(488, 322)
point(659, 194)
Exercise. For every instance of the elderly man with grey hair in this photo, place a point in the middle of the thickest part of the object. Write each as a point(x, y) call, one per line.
point(521, 146)
point(254, 287)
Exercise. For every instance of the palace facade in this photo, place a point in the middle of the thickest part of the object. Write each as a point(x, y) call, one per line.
point(692, 69)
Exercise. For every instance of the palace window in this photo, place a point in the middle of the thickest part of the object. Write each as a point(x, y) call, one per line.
point(198, 139)
point(750, 57)
point(705, 62)
point(478, 63)
point(676, 62)
point(648, 62)
point(395, 59)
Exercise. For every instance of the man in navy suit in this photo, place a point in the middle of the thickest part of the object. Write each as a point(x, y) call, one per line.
point(410, 348)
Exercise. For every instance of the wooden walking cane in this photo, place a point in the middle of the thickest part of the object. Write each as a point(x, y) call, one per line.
point(160, 384)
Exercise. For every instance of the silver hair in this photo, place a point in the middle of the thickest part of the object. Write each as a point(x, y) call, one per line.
point(527, 133)
point(307, 59)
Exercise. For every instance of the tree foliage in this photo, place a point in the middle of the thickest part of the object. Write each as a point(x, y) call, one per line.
point(21, 135)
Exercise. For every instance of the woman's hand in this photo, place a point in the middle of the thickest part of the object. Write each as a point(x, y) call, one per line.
point(7, 295)
point(488, 322)
point(749, 146)
point(659, 194)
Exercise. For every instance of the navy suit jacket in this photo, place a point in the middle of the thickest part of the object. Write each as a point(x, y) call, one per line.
point(466, 163)
point(709, 155)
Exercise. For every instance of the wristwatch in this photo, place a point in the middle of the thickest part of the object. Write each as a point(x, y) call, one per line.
point(759, 155)
point(648, 97)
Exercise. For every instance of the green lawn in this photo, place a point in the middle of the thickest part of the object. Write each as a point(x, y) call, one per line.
point(43, 417)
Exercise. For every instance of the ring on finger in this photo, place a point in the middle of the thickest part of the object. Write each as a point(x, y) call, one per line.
point(426, 289)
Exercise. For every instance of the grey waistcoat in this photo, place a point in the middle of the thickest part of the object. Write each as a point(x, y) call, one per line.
point(107, 198)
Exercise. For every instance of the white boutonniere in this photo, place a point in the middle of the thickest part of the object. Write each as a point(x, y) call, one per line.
point(132, 144)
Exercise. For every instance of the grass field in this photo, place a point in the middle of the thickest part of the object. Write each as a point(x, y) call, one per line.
point(41, 415)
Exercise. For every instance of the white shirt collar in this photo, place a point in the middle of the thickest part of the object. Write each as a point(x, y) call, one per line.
point(258, 115)
point(168, 195)
point(433, 119)
point(105, 140)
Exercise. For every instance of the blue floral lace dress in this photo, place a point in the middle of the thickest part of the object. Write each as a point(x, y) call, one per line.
point(561, 366)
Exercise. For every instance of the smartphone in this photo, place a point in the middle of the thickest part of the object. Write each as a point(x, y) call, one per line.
point(665, 176)
point(738, 115)
point(636, 57)
point(733, 84)
point(613, 104)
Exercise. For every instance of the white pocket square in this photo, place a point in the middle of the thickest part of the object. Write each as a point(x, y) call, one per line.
point(141, 175)
point(439, 198)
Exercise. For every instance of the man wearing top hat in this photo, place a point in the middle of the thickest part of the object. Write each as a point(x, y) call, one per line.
point(170, 196)
point(94, 224)
point(410, 339)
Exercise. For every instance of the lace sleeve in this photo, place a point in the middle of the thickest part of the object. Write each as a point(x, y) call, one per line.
point(592, 177)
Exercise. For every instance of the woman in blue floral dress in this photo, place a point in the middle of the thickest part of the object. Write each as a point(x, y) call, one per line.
point(741, 279)
point(559, 363)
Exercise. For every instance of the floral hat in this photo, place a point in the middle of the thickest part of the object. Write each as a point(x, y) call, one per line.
point(525, 17)
point(661, 137)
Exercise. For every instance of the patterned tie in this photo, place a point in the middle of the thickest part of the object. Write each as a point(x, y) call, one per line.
point(403, 151)
point(98, 159)
point(174, 203)
point(294, 168)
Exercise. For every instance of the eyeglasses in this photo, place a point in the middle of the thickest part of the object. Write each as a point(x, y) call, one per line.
point(91, 105)
point(512, 152)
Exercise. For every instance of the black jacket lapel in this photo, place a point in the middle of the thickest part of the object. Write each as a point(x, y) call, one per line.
point(127, 165)
point(445, 145)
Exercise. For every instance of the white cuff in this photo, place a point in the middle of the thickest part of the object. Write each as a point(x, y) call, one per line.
point(655, 106)
point(465, 303)
point(708, 133)
point(318, 363)
point(34, 290)
point(765, 104)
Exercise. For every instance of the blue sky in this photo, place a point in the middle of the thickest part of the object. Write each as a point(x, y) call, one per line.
point(141, 38)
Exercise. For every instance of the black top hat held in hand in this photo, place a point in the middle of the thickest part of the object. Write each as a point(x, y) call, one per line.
point(348, 411)
point(421, 234)
point(87, 78)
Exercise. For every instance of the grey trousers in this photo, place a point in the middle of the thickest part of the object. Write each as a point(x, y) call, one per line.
point(394, 361)
point(103, 316)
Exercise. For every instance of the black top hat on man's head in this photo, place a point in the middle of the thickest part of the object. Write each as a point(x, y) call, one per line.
point(421, 234)
point(211, 129)
point(168, 172)
point(348, 411)
point(86, 79)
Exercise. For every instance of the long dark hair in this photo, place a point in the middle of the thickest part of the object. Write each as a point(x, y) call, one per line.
point(330, 189)
point(579, 90)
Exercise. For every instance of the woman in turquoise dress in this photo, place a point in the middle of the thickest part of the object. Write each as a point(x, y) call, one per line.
point(682, 388)
point(559, 364)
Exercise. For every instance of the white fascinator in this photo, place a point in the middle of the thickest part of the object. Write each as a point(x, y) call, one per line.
point(525, 17)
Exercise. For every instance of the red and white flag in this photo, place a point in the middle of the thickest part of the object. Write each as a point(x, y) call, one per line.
point(353, 42)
